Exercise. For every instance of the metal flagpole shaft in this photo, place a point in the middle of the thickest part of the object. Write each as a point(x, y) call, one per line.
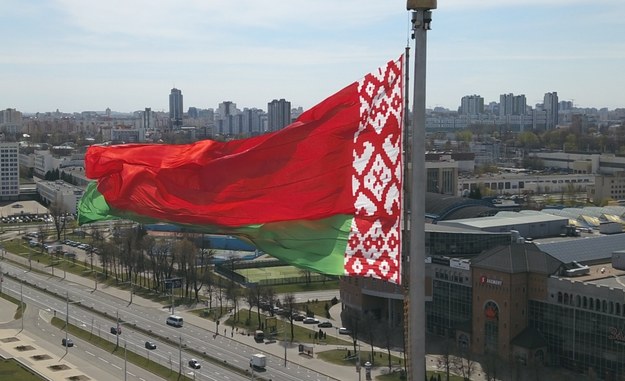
point(421, 17)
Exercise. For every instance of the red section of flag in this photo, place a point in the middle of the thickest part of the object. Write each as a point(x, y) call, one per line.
point(302, 172)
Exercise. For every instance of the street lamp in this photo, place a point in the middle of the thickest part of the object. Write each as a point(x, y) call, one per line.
point(125, 360)
point(180, 356)
point(67, 303)
point(22, 301)
point(117, 329)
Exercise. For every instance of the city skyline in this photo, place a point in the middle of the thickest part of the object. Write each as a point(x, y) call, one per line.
point(76, 56)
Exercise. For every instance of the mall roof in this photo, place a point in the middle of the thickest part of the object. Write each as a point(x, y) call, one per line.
point(588, 249)
point(507, 219)
point(517, 258)
point(440, 207)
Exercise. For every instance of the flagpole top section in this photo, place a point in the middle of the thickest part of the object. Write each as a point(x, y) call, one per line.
point(415, 5)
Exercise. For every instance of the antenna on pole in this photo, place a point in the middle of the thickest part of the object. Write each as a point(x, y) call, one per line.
point(415, 292)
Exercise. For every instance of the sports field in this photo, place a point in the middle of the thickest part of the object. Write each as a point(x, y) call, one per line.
point(258, 274)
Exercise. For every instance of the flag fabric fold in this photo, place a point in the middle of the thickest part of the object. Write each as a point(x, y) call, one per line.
point(324, 193)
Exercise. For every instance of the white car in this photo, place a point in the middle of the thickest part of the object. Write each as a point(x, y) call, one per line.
point(310, 320)
point(344, 331)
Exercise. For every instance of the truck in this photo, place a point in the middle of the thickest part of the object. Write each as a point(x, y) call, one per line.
point(259, 336)
point(258, 361)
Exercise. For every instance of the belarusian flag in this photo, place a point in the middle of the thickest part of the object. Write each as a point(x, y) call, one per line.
point(324, 193)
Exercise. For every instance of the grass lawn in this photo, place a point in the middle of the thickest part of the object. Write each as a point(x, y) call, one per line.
point(346, 356)
point(13, 370)
point(249, 322)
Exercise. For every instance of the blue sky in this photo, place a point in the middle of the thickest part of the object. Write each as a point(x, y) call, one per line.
point(76, 55)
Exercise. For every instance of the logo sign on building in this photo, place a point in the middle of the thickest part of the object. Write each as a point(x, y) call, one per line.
point(486, 280)
point(173, 283)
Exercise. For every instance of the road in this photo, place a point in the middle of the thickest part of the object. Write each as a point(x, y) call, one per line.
point(149, 320)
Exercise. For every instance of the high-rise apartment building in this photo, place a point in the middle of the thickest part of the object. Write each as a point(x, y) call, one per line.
point(148, 122)
point(279, 114)
point(472, 105)
point(550, 105)
point(175, 108)
point(251, 122)
point(510, 104)
point(9, 171)
point(225, 109)
point(10, 121)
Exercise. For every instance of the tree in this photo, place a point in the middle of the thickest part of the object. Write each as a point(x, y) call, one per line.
point(475, 194)
point(464, 364)
point(351, 319)
point(289, 305)
point(370, 325)
point(58, 213)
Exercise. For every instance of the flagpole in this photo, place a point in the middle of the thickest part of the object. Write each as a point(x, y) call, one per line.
point(421, 18)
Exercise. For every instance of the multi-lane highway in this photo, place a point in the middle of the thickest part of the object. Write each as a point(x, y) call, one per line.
point(140, 323)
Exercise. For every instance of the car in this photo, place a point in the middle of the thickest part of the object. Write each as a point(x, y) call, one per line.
point(67, 342)
point(310, 320)
point(193, 363)
point(116, 330)
point(150, 345)
point(344, 331)
point(299, 317)
point(325, 324)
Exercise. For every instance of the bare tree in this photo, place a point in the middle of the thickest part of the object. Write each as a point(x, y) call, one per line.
point(250, 298)
point(351, 319)
point(369, 324)
point(59, 218)
point(464, 364)
point(233, 295)
point(390, 335)
point(445, 359)
point(492, 365)
point(289, 305)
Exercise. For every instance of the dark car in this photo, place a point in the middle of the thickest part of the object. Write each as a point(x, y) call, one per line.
point(116, 330)
point(67, 342)
point(299, 317)
point(325, 324)
point(193, 363)
point(150, 345)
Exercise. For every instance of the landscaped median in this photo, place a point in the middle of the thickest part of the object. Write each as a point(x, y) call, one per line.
point(141, 361)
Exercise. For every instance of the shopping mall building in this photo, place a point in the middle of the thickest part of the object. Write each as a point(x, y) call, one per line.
point(557, 302)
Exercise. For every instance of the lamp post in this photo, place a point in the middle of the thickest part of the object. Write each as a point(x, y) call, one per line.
point(117, 328)
point(66, 319)
point(125, 360)
point(180, 355)
point(22, 301)
point(358, 363)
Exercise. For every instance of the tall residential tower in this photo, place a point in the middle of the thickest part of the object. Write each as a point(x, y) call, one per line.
point(175, 108)
point(278, 114)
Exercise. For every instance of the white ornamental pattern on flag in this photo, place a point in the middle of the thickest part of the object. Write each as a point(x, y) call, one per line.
point(374, 244)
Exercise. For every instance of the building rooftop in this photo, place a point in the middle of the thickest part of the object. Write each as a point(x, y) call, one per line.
point(586, 250)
